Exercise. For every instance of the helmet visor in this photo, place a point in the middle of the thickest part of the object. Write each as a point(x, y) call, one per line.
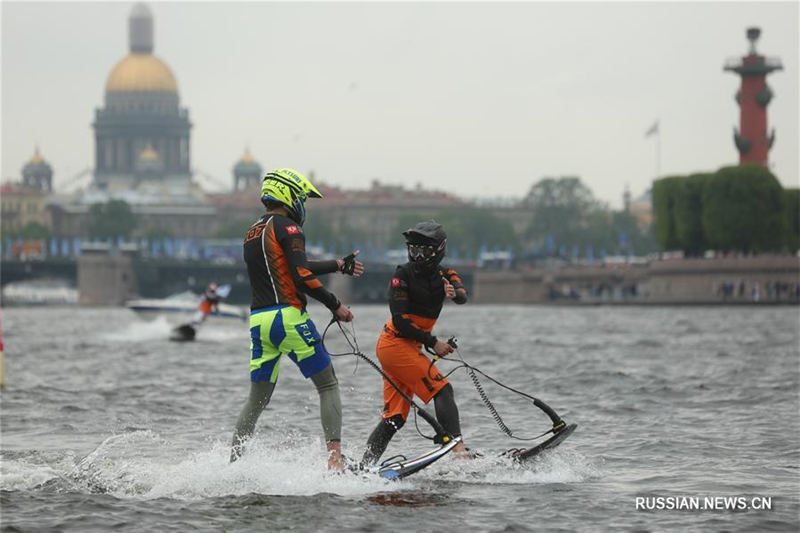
point(299, 209)
point(421, 252)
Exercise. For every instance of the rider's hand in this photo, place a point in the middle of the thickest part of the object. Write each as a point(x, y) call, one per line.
point(442, 348)
point(343, 314)
point(348, 265)
point(449, 291)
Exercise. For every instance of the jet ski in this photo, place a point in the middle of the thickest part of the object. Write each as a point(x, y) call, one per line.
point(186, 311)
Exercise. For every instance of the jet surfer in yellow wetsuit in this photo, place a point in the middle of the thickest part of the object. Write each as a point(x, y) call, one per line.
point(280, 277)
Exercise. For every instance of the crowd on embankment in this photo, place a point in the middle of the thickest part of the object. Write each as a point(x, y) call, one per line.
point(724, 280)
point(773, 291)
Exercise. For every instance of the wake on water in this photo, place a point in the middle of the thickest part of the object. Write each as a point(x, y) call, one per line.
point(160, 328)
point(143, 465)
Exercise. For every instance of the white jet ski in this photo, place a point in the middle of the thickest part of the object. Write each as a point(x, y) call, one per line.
point(182, 308)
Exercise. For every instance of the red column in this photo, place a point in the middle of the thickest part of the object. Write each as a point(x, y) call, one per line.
point(753, 116)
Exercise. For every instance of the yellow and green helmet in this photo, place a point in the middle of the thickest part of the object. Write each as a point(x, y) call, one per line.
point(289, 188)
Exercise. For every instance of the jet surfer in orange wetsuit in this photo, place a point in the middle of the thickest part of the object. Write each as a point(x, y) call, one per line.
point(417, 292)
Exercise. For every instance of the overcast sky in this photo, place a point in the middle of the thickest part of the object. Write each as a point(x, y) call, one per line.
point(480, 99)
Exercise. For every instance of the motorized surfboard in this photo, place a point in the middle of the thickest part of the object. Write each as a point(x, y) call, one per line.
point(399, 467)
point(184, 333)
point(525, 454)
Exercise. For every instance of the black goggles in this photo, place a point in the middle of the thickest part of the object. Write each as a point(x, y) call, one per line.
point(423, 251)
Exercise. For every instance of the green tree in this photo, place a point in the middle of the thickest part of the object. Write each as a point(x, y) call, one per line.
point(688, 214)
point(665, 193)
point(791, 199)
point(743, 210)
point(560, 207)
point(566, 210)
point(468, 228)
point(637, 240)
point(600, 230)
point(34, 230)
point(111, 220)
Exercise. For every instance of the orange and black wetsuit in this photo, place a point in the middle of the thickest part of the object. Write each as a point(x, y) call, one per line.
point(210, 303)
point(280, 272)
point(416, 296)
point(280, 277)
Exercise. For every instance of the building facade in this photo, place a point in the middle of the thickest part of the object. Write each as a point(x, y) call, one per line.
point(25, 202)
point(21, 205)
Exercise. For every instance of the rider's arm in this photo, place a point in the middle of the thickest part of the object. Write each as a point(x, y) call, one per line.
point(398, 305)
point(319, 268)
point(455, 280)
point(293, 243)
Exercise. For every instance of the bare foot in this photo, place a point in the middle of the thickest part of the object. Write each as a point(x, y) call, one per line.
point(460, 451)
point(335, 459)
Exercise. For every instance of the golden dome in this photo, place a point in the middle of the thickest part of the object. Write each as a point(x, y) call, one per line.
point(36, 159)
point(141, 72)
point(247, 157)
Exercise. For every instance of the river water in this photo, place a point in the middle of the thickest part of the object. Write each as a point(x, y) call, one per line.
point(106, 425)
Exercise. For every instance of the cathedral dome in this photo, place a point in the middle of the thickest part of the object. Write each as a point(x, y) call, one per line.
point(142, 135)
point(246, 171)
point(247, 165)
point(37, 173)
point(141, 73)
point(36, 158)
point(140, 70)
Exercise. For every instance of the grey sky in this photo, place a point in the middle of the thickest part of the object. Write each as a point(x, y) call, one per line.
point(475, 98)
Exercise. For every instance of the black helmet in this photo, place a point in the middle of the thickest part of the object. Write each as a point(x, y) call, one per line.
point(426, 243)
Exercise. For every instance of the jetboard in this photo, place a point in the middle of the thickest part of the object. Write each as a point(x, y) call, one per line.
point(526, 454)
point(184, 333)
point(400, 467)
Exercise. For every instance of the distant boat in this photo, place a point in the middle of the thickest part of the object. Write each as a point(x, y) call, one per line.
point(182, 308)
point(39, 292)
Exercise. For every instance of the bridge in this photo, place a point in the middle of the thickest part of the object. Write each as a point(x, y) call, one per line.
point(158, 278)
point(12, 270)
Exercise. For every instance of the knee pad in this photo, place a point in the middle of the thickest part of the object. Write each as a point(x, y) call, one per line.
point(394, 423)
point(325, 379)
point(445, 393)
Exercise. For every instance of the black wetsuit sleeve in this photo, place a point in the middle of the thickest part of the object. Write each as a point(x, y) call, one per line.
point(455, 280)
point(293, 242)
point(319, 268)
point(399, 307)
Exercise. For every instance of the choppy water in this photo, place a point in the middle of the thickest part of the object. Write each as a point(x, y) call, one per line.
point(107, 425)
